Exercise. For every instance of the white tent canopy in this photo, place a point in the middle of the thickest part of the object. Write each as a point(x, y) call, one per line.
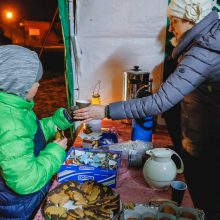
point(111, 37)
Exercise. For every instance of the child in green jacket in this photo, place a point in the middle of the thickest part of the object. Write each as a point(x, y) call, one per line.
point(29, 156)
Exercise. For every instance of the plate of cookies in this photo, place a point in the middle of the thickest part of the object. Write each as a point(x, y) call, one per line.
point(72, 200)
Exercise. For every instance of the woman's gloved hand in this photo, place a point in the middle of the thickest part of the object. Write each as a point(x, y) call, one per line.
point(90, 113)
point(62, 142)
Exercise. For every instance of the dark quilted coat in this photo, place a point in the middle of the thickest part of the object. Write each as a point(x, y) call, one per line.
point(195, 82)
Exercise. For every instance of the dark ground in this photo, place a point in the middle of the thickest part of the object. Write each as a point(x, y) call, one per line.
point(52, 94)
point(52, 91)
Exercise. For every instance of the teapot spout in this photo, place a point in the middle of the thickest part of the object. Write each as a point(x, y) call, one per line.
point(149, 152)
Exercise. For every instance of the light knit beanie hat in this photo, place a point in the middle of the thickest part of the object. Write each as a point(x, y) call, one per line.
point(191, 10)
point(20, 68)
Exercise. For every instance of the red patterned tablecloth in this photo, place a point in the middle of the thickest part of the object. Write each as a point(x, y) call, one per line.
point(130, 181)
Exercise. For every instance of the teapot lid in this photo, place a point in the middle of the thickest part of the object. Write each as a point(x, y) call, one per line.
point(137, 71)
point(162, 152)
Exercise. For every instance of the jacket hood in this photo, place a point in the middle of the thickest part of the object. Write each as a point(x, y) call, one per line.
point(205, 34)
point(20, 68)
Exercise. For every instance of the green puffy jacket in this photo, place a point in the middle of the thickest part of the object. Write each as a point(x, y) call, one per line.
point(22, 171)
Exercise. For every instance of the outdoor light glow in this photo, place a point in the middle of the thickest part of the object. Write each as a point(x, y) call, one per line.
point(9, 15)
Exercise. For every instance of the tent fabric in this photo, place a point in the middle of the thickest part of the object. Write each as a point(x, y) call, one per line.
point(69, 70)
point(64, 17)
point(128, 33)
point(112, 37)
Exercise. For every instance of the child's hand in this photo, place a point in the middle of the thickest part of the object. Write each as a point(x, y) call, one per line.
point(62, 143)
point(59, 134)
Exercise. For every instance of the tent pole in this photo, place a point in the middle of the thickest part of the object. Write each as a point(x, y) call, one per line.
point(48, 32)
point(72, 35)
point(72, 51)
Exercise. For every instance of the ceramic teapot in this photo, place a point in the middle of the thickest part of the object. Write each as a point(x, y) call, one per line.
point(159, 170)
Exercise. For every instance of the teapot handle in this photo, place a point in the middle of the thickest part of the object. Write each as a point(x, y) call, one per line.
point(181, 169)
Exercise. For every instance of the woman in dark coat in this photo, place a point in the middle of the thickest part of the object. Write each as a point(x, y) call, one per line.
point(196, 84)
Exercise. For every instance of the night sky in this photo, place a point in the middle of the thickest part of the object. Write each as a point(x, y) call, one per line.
point(42, 10)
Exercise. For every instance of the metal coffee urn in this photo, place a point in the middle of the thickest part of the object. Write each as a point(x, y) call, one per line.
point(135, 80)
point(137, 84)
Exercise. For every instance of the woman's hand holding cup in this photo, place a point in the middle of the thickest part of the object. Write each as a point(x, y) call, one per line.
point(90, 113)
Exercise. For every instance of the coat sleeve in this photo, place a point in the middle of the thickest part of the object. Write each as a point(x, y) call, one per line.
point(21, 170)
point(50, 124)
point(193, 69)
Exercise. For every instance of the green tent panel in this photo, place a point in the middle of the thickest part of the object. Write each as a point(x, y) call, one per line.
point(64, 18)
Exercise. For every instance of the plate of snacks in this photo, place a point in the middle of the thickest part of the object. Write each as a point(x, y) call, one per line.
point(160, 211)
point(139, 212)
point(72, 200)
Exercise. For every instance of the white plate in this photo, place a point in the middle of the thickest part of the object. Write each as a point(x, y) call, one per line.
point(139, 212)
